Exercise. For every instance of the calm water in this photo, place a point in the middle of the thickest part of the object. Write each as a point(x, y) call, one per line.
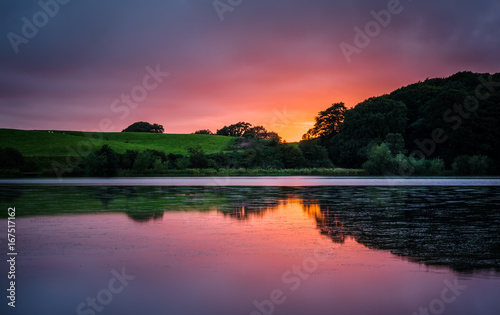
point(254, 250)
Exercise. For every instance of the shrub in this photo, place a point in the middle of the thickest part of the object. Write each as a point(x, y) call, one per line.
point(435, 167)
point(203, 132)
point(182, 163)
point(197, 157)
point(380, 161)
point(160, 167)
point(103, 162)
point(471, 165)
point(144, 161)
point(291, 156)
point(395, 142)
point(315, 155)
point(11, 158)
point(128, 158)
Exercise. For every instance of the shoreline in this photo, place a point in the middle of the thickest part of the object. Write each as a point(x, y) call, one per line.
point(242, 181)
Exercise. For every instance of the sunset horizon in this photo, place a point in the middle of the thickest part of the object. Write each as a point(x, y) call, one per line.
point(215, 66)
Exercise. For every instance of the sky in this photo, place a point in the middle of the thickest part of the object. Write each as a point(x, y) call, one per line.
point(203, 64)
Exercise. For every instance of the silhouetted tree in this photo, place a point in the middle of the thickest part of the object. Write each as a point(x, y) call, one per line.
point(235, 130)
point(198, 158)
point(142, 126)
point(103, 162)
point(291, 156)
point(327, 122)
point(11, 158)
point(203, 132)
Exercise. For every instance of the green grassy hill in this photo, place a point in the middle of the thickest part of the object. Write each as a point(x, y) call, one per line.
point(42, 143)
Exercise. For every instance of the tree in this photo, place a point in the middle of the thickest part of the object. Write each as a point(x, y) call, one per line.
point(366, 124)
point(291, 156)
point(203, 132)
point(142, 126)
point(235, 130)
point(197, 157)
point(314, 154)
point(380, 161)
point(327, 122)
point(103, 162)
point(262, 133)
point(144, 161)
point(127, 159)
point(471, 165)
point(11, 158)
point(395, 143)
point(157, 128)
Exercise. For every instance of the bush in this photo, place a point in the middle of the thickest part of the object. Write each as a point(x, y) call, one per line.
point(315, 155)
point(160, 167)
point(127, 159)
point(197, 157)
point(435, 167)
point(395, 142)
point(142, 126)
point(291, 156)
point(471, 165)
point(203, 132)
point(380, 161)
point(144, 161)
point(182, 163)
point(103, 162)
point(11, 158)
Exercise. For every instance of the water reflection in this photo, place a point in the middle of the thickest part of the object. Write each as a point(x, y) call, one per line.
point(455, 227)
point(458, 227)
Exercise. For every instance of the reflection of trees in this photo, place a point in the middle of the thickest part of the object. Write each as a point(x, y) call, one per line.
point(145, 216)
point(246, 202)
point(457, 227)
point(453, 226)
point(9, 194)
point(327, 220)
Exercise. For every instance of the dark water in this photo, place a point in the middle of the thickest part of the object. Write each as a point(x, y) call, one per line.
point(254, 250)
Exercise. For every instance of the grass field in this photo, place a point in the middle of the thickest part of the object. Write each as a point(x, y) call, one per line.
point(42, 143)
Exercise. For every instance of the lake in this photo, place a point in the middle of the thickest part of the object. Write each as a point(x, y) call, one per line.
point(297, 245)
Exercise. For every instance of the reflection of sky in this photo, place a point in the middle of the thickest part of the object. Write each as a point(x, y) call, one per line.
point(274, 63)
point(208, 263)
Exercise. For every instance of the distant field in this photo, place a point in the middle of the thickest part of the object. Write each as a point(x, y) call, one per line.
point(41, 143)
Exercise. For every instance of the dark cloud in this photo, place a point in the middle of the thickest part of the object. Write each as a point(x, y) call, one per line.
point(93, 51)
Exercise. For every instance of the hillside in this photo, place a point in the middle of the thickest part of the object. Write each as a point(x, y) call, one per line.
point(42, 143)
point(441, 118)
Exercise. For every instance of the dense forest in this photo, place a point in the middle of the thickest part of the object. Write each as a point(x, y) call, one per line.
point(426, 127)
point(439, 126)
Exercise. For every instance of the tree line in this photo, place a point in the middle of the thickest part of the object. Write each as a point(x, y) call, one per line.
point(425, 128)
point(438, 126)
